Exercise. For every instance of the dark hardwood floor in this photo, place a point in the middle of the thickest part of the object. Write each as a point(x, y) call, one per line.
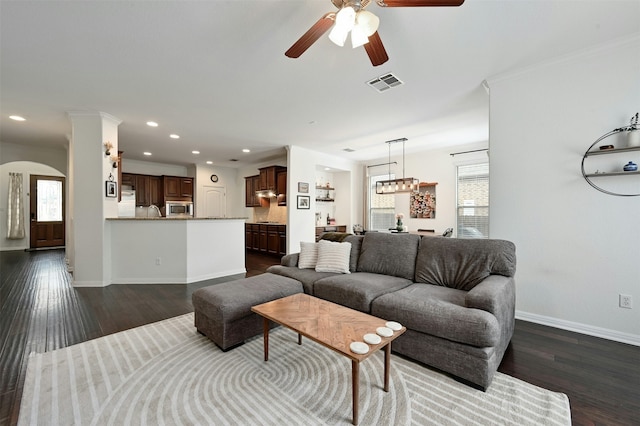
point(41, 311)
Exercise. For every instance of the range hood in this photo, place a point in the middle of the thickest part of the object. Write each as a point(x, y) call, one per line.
point(266, 193)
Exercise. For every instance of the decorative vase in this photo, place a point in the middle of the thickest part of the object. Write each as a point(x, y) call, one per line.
point(399, 227)
point(633, 138)
point(630, 167)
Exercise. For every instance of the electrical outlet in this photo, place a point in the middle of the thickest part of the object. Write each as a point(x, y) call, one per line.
point(158, 261)
point(626, 301)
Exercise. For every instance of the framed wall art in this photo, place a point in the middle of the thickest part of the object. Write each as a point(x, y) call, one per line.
point(111, 189)
point(303, 187)
point(304, 202)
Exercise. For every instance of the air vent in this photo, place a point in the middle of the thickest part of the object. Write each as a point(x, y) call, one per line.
point(349, 150)
point(233, 159)
point(384, 82)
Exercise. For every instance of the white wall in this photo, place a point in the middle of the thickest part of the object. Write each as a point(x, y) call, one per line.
point(577, 248)
point(151, 168)
point(429, 166)
point(301, 167)
point(53, 157)
point(27, 168)
point(227, 178)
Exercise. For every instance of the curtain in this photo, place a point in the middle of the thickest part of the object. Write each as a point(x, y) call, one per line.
point(15, 208)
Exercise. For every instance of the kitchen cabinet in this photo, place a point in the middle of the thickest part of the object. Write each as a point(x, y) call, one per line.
point(141, 184)
point(252, 184)
point(142, 190)
point(177, 188)
point(281, 187)
point(267, 178)
point(266, 238)
point(155, 191)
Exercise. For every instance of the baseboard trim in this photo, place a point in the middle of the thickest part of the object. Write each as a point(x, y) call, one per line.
point(589, 330)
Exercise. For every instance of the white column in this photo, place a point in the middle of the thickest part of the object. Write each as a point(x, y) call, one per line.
point(89, 247)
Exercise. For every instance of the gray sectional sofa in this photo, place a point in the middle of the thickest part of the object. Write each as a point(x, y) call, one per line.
point(455, 296)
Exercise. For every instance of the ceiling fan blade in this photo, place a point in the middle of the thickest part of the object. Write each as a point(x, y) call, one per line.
point(418, 3)
point(375, 50)
point(315, 32)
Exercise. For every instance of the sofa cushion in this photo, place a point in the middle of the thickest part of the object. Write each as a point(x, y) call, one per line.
point(306, 276)
point(356, 244)
point(308, 257)
point(438, 311)
point(333, 257)
point(389, 254)
point(463, 263)
point(357, 290)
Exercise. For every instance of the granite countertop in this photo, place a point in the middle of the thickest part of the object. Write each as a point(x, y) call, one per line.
point(266, 223)
point(176, 218)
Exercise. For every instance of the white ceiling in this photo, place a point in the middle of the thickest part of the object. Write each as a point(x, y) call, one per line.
point(215, 73)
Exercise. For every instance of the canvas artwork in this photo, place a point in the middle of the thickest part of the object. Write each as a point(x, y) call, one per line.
point(422, 204)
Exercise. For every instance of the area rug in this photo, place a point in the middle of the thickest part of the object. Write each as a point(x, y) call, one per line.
point(167, 373)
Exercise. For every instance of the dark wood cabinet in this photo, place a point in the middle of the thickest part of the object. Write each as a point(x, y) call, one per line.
point(171, 186)
point(141, 184)
point(268, 177)
point(266, 238)
point(155, 191)
point(252, 184)
point(264, 241)
point(281, 187)
point(177, 188)
point(128, 179)
point(142, 190)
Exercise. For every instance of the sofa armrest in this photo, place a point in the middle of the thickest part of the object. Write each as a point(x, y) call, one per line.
point(290, 259)
point(496, 294)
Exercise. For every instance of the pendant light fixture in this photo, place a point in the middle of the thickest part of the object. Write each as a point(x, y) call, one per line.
point(395, 186)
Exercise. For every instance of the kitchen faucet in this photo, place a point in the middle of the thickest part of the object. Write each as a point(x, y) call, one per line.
point(154, 207)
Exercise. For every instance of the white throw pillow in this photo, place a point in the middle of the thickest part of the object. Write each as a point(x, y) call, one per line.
point(308, 256)
point(333, 257)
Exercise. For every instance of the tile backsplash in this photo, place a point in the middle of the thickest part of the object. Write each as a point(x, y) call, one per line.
point(274, 213)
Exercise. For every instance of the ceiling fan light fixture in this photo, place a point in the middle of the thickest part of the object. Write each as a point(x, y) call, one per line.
point(367, 22)
point(338, 35)
point(358, 37)
point(346, 18)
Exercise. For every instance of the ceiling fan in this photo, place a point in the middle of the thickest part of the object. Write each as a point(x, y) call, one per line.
point(363, 25)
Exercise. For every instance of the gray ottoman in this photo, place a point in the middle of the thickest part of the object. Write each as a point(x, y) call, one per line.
point(223, 311)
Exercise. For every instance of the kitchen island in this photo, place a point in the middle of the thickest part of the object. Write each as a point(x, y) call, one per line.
point(159, 250)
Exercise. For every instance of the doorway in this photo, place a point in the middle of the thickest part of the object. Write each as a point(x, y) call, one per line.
point(47, 211)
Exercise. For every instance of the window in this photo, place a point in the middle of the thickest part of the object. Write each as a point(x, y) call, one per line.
point(381, 207)
point(473, 201)
point(49, 201)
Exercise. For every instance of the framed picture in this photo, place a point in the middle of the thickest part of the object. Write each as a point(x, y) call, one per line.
point(111, 189)
point(304, 202)
point(303, 187)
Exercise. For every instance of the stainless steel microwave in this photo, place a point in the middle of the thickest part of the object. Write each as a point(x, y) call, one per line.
point(179, 209)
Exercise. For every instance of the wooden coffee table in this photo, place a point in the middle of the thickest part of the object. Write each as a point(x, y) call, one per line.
point(333, 326)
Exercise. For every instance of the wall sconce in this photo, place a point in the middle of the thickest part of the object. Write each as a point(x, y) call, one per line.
point(108, 146)
point(115, 160)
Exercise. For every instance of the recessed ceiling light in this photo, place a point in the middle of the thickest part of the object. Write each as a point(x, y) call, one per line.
point(174, 136)
point(327, 168)
point(246, 150)
point(17, 118)
point(152, 124)
point(146, 153)
point(209, 162)
point(195, 152)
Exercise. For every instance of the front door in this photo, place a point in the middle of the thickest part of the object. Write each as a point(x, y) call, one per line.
point(47, 211)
